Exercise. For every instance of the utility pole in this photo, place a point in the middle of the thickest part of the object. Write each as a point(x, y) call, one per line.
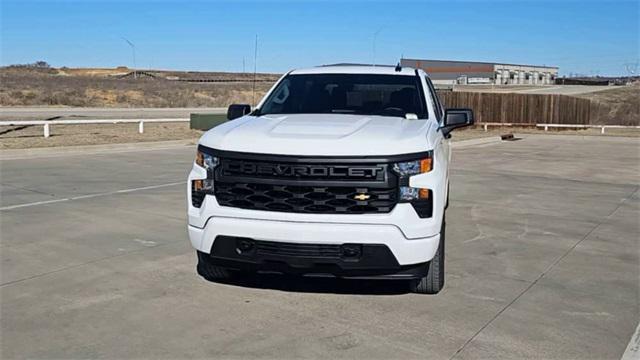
point(133, 49)
point(255, 69)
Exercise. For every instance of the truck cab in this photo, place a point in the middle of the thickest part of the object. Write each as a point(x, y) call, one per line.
point(339, 171)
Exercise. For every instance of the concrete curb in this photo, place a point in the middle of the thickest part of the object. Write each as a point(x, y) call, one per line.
point(45, 152)
point(473, 142)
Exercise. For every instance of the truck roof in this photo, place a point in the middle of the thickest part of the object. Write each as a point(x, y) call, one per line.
point(356, 69)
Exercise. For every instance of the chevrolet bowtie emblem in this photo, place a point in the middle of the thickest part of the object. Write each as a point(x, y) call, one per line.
point(362, 197)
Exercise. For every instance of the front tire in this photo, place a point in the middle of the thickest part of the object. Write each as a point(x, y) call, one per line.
point(211, 272)
point(434, 281)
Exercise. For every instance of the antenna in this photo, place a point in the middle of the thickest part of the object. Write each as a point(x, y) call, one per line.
point(375, 38)
point(255, 67)
point(133, 49)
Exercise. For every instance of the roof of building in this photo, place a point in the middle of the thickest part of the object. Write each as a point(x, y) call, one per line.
point(479, 63)
point(355, 69)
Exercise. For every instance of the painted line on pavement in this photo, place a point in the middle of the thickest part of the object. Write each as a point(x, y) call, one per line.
point(40, 153)
point(633, 349)
point(80, 197)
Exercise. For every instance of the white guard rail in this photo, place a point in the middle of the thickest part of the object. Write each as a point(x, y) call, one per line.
point(48, 123)
point(573, 126)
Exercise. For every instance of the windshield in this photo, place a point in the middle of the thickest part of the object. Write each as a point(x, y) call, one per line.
point(365, 94)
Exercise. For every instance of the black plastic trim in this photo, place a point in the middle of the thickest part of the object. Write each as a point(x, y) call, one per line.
point(386, 180)
point(374, 261)
point(424, 208)
point(197, 197)
point(315, 159)
point(422, 94)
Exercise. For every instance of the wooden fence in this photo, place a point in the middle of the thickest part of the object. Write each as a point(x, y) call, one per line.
point(521, 108)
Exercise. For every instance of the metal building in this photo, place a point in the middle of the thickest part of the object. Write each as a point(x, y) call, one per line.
point(473, 72)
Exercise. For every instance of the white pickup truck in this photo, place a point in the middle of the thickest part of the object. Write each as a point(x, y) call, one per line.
point(339, 171)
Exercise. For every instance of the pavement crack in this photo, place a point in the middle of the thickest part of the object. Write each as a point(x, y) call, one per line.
point(30, 190)
point(13, 282)
point(89, 196)
point(547, 270)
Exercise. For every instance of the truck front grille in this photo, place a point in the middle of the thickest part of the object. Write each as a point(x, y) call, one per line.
point(306, 199)
point(327, 251)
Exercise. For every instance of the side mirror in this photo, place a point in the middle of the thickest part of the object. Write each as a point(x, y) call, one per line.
point(238, 110)
point(456, 118)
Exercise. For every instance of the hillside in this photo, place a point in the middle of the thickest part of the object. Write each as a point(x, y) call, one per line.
point(616, 106)
point(92, 87)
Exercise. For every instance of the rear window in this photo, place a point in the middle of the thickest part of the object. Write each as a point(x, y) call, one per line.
point(364, 94)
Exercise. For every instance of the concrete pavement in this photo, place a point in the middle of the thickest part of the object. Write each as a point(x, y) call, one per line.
point(542, 262)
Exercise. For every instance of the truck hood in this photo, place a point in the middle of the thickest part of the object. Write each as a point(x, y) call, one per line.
point(321, 134)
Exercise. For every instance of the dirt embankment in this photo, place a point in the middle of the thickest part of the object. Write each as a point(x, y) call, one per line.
point(620, 106)
point(71, 87)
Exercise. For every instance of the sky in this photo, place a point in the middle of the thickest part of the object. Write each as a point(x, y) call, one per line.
point(585, 37)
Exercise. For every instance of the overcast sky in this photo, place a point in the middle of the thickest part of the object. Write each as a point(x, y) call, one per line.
point(585, 37)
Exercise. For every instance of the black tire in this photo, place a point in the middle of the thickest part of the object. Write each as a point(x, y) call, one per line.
point(434, 281)
point(209, 271)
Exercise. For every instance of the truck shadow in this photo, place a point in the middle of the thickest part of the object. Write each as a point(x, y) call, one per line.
point(302, 284)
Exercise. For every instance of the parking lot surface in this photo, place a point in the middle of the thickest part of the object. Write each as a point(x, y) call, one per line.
point(542, 262)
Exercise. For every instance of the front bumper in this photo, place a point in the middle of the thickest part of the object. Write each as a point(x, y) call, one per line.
point(406, 251)
point(361, 261)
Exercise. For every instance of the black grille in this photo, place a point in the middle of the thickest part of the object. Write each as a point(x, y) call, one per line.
point(298, 250)
point(305, 184)
point(306, 199)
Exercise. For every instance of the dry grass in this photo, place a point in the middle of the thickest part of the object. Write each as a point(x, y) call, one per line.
point(29, 87)
point(95, 134)
point(615, 106)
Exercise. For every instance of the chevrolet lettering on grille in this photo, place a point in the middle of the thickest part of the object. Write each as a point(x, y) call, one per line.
point(298, 171)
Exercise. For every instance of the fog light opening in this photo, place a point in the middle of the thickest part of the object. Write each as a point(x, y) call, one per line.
point(423, 194)
point(198, 185)
point(244, 245)
point(351, 250)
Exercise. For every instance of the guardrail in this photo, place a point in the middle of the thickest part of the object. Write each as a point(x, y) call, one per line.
point(574, 126)
point(48, 123)
point(602, 127)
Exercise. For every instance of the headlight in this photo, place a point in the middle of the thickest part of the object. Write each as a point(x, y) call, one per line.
point(407, 169)
point(415, 167)
point(207, 161)
point(201, 187)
